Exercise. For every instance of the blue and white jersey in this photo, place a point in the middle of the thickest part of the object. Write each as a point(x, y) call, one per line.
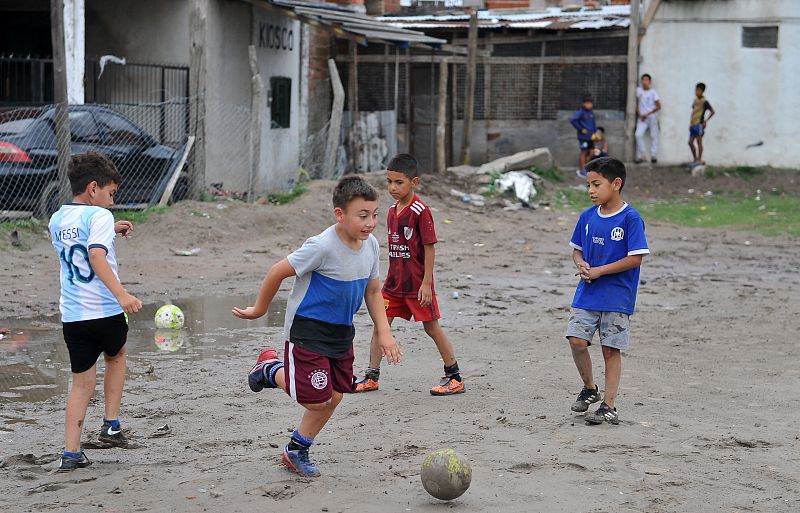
point(328, 291)
point(74, 230)
point(604, 239)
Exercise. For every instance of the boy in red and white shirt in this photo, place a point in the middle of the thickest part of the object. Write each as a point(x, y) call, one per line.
point(408, 290)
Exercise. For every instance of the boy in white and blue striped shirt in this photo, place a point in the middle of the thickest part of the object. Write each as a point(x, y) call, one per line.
point(93, 302)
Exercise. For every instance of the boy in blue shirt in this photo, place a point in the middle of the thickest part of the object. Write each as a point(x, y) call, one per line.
point(583, 121)
point(335, 272)
point(608, 246)
point(93, 302)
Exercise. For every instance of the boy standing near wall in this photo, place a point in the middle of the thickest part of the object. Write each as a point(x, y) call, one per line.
point(583, 121)
point(647, 105)
point(697, 124)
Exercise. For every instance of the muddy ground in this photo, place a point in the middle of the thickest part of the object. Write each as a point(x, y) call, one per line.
point(708, 398)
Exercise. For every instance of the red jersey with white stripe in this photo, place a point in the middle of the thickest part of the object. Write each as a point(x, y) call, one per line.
point(409, 232)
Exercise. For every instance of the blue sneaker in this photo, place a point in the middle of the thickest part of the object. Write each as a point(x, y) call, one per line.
point(300, 462)
point(581, 173)
point(256, 378)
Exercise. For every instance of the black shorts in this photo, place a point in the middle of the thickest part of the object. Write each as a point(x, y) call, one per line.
point(87, 340)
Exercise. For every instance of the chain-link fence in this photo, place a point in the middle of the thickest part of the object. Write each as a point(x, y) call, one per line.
point(146, 142)
point(229, 156)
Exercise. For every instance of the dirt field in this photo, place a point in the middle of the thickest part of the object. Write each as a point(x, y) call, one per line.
point(708, 402)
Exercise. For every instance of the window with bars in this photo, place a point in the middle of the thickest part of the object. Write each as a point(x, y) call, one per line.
point(760, 37)
point(280, 101)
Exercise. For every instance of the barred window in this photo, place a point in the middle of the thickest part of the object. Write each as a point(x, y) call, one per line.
point(760, 37)
point(280, 101)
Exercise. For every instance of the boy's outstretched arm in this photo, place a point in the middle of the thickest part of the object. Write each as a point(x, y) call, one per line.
point(621, 265)
point(101, 268)
point(383, 332)
point(269, 287)
point(425, 293)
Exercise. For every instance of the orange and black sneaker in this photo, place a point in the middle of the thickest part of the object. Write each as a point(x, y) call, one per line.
point(448, 386)
point(366, 384)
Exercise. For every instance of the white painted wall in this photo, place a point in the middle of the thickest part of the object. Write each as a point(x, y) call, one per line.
point(751, 89)
point(282, 57)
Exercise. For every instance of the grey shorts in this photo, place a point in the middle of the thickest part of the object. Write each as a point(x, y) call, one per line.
point(614, 327)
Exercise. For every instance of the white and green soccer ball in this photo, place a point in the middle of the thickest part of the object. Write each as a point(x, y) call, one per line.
point(169, 317)
point(169, 340)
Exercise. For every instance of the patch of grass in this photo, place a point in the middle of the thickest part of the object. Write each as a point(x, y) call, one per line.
point(768, 215)
point(24, 228)
point(773, 213)
point(572, 199)
point(743, 172)
point(137, 216)
point(552, 174)
point(282, 198)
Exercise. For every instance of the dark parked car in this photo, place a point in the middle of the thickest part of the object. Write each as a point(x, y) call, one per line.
point(28, 167)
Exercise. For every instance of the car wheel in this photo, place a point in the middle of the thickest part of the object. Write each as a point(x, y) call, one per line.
point(49, 201)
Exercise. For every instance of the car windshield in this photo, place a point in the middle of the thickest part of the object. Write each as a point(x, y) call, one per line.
point(15, 126)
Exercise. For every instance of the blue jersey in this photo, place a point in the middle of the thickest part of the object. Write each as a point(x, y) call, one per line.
point(74, 230)
point(605, 239)
point(328, 290)
point(584, 119)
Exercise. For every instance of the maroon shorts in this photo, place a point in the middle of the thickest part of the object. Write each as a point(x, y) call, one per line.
point(311, 377)
point(405, 307)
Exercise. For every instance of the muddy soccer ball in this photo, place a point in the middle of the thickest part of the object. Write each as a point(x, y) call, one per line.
point(169, 317)
point(445, 474)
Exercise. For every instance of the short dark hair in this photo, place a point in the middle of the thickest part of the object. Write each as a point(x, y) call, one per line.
point(404, 163)
point(601, 129)
point(647, 75)
point(700, 86)
point(609, 167)
point(85, 168)
point(586, 98)
point(351, 187)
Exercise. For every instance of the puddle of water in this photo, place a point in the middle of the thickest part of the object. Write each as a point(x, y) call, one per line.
point(34, 362)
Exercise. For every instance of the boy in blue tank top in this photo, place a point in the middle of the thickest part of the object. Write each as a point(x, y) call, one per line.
point(608, 246)
point(93, 302)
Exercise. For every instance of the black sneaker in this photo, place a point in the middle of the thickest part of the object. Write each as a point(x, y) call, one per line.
point(604, 413)
point(111, 436)
point(68, 464)
point(585, 398)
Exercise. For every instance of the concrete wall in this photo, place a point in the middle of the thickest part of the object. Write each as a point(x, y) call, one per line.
point(139, 30)
point(228, 94)
point(154, 31)
point(157, 31)
point(500, 138)
point(751, 89)
point(280, 147)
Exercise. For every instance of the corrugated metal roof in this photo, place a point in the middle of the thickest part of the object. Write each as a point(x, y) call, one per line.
point(552, 18)
point(365, 28)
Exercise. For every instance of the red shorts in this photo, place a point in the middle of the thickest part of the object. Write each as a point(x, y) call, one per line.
point(405, 307)
point(311, 377)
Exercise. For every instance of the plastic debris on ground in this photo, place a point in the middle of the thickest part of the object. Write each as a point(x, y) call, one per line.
point(521, 182)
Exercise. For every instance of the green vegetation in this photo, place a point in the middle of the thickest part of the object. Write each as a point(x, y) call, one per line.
point(551, 174)
point(137, 216)
point(743, 172)
point(772, 213)
point(25, 228)
point(282, 198)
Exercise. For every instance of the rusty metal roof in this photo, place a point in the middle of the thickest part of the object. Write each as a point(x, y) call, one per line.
point(552, 18)
point(348, 24)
